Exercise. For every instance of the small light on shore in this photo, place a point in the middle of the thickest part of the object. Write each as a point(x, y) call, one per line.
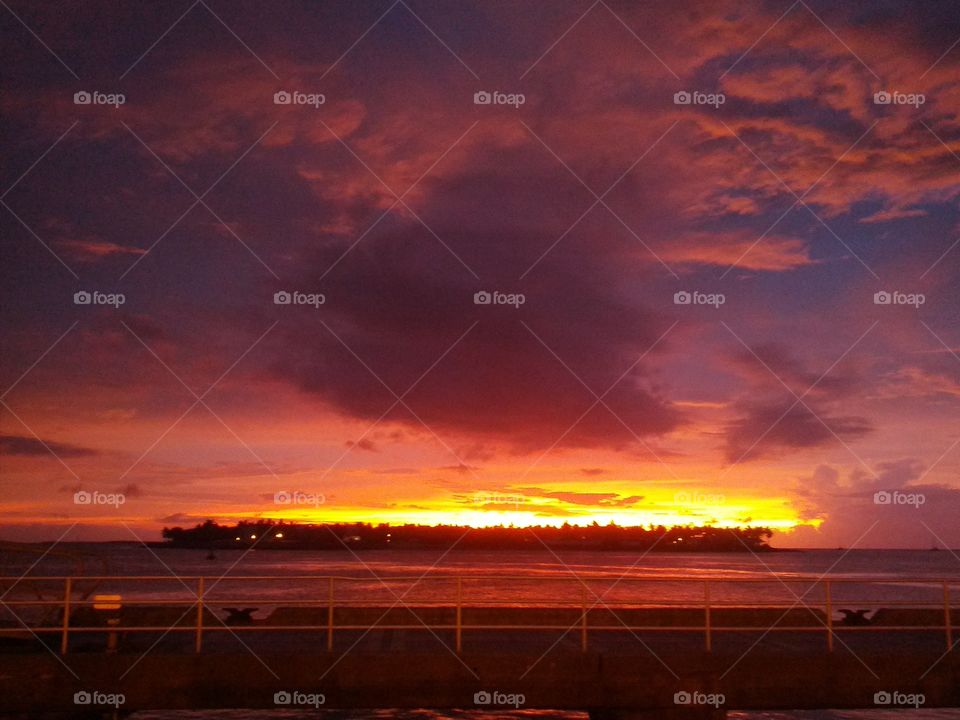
point(279, 535)
point(253, 537)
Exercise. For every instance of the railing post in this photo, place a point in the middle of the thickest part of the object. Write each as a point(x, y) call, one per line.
point(583, 619)
point(948, 623)
point(829, 616)
point(198, 643)
point(708, 626)
point(459, 614)
point(330, 614)
point(67, 591)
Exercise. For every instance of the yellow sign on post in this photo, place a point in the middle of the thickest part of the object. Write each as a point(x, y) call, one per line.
point(107, 602)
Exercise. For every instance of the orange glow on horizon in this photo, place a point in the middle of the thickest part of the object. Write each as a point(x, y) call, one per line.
point(739, 512)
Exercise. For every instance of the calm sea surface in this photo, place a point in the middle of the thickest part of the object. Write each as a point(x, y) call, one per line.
point(518, 577)
point(521, 578)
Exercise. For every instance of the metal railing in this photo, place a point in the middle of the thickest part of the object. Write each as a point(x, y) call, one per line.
point(198, 597)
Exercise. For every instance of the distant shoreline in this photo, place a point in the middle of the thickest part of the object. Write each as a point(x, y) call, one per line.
point(166, 545)
point(537, 548)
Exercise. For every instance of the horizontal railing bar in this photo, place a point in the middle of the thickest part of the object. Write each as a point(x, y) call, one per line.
point(769, 578)
point(599, 607)
point(691, 604)
point(417, 627)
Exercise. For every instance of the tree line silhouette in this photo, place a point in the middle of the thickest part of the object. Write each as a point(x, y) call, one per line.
point(267, 534)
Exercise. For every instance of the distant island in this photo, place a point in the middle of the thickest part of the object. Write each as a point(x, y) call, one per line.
point(279, 535)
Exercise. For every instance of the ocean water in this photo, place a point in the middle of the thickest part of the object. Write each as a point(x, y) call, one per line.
point(535, 714)
point(521, 577)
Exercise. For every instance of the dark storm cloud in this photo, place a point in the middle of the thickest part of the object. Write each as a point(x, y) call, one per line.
point(399, 302)
point(35, 447)
point(774, 363)
point(774, 429)
point(786, 407)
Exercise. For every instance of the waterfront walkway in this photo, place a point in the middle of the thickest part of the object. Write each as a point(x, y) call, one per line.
point(674, 658)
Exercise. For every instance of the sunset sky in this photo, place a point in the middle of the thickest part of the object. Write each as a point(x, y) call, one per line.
point(782, 395)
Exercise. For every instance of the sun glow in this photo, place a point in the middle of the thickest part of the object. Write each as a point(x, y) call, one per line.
point(669, 510)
